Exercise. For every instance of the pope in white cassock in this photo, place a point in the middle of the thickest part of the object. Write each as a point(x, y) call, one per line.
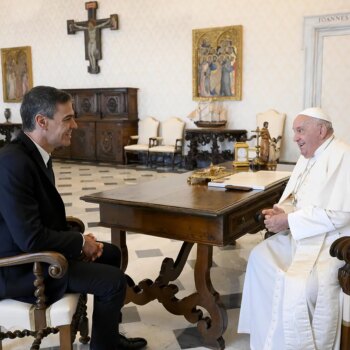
point(291, 296)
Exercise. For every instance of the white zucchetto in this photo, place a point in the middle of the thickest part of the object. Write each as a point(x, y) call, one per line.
point(316, 112)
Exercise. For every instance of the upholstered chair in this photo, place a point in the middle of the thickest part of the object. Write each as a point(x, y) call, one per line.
point(170, 140)
point(66, 316)
point(140, 144)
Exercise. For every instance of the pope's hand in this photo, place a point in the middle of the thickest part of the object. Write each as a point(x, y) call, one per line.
point(276, 219)
point(276, 223)
point(273, 211)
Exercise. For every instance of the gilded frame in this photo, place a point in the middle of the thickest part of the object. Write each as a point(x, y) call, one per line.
point(17, 76)
point(217, 54)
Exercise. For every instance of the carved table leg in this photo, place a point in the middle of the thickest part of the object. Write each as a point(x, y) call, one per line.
point(160, 289)
point(119, 239)
point(211, 328)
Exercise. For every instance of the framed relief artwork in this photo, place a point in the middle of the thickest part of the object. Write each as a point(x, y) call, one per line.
point(17, 78)
point(217, 63)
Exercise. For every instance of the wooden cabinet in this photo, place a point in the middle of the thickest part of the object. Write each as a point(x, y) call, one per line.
point(106, 118)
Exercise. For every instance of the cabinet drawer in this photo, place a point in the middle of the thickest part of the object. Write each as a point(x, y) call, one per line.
point(245, 221)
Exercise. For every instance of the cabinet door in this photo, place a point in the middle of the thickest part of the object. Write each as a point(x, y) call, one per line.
point(62, 152)
point(86, 104)
point(109, 145)
point(83, 141)
point(114, 104)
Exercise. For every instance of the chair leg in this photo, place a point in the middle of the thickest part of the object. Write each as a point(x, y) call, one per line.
point(65, 337)
point(83, 326)
point(173, 161)
point(37, 341)
point(126, 158)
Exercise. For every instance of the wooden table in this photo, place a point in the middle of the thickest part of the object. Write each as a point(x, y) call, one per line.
point(195, 214)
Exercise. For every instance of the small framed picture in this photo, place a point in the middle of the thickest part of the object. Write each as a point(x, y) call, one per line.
point(17, 78)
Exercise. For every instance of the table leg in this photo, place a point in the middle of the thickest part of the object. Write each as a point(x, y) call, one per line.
point(212, 326)
point(119, 239)
point(160, 289)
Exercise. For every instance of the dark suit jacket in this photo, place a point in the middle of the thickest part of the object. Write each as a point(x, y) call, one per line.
point(32, 219)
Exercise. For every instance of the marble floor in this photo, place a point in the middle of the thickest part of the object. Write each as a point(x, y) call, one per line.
point(161, 329)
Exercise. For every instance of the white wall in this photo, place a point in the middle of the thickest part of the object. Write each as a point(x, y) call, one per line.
point(152, 51)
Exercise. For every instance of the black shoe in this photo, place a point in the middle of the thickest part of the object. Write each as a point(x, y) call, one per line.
point(131, 343)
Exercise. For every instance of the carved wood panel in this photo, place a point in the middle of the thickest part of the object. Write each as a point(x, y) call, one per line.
point(108, 141)
point(83, 141)
point(86, 104)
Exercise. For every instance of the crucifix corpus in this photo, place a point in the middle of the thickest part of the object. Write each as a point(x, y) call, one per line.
point(92, 34)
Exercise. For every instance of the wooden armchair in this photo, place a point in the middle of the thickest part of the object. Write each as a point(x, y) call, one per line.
point(170, 140)
point(140, 144)
point(341, 250)
point(66, 316)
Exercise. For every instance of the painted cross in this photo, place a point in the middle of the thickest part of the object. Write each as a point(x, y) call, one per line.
point(92, 34)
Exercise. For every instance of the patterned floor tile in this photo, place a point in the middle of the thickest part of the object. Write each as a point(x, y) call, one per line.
point(149, 253)
point(188, 338)
point(130, 314)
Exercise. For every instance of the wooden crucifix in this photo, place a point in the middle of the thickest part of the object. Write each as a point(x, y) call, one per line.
point(92, 34)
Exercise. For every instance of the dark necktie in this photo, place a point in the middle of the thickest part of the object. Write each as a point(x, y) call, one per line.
point(50, 171)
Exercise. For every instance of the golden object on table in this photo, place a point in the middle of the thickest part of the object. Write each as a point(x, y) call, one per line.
point(241, 154)
point(214, 172)
point(258, 163)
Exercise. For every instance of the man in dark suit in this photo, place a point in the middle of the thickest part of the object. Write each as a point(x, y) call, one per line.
point(33, 218)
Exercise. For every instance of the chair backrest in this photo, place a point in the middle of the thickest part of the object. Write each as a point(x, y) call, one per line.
point(171, 130)
point(147, 128)
point(276, 123)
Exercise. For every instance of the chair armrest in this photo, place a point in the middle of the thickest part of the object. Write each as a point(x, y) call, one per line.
point(133, 139)
point(57, 262)
point(341, 249)
point(178, 144)
point(76, 224)
point(154, 141)
point(57, 268)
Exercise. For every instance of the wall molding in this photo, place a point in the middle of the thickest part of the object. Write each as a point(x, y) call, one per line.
point(316, 29)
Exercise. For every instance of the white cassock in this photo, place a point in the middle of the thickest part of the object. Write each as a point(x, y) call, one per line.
point(291, 297)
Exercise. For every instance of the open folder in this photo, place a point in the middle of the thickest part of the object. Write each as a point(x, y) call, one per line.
point(259, 180)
